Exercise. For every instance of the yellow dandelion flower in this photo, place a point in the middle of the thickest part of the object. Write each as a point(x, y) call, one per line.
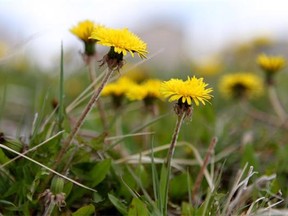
point(152, 87)
point(147, 90)
point(118, 88)
point(186, 92)
point(271, 64)
point(122, 41)
point(83, 30)
point(136, 92)
point(241, 85)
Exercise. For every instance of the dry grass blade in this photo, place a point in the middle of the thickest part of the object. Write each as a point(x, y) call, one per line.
point(203, 167)
point(235, 187)
point(128, 135)
point(245, 191)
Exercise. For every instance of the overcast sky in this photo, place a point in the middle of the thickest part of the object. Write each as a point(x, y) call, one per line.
point(208, 24)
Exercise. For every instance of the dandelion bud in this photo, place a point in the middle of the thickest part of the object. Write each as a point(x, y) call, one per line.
point(57, 185)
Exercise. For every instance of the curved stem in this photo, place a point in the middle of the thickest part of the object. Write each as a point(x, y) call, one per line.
point(174, 139)
point(277, 106)
point(169, 159)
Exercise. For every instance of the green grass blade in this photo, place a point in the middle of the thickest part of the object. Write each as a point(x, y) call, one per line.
point(155, 179)
point(61, 91)
point(38, 119)
point(118, 204)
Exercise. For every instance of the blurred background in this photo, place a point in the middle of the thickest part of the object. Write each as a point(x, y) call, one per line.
point(179, 30)
point(184, 37)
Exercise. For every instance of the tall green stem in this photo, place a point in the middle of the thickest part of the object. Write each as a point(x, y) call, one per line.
point(169, 159)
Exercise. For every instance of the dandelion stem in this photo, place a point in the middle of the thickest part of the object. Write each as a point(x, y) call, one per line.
point(203, 167)
point(49, 209)
point(174, 140)
point(170, 156)
point(277, 106)
point(91, 67)
point(81, 119)
point(92, 73)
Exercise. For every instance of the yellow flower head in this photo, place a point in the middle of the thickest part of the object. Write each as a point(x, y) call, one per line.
point(136, 92)
point(271, 64)
point(122, 40)
point(150, 89)
point(83, 30)
point(118, 88)
point(241, 85)
point(185, 92)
